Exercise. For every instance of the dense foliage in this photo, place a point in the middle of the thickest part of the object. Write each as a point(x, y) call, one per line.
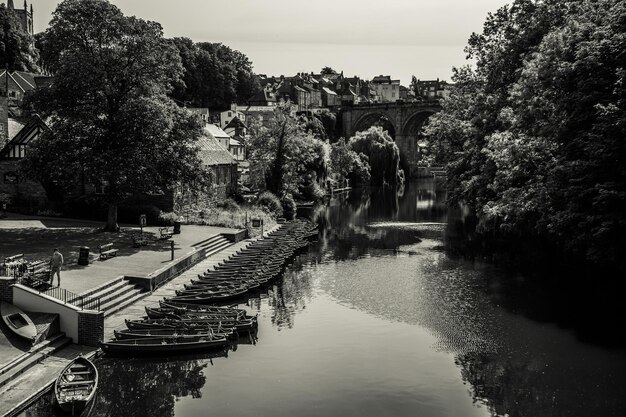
point(349, 165)
point(17, 49)
point(111, 120)
point(214, 75)
point(381, 152)
point(534, 135)
point(291, 159)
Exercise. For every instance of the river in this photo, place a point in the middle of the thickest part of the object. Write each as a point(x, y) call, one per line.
point(376, 319)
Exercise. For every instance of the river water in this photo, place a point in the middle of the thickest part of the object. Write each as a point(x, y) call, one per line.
point(376, 319)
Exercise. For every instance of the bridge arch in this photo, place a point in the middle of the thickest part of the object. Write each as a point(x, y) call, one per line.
point(415, 122)
point(375, 118)
point(403, 120)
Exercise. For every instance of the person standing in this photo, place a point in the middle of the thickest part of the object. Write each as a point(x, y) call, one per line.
point(55, 266)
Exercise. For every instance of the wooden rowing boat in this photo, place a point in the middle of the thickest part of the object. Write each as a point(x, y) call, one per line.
point(168, 333)
point(76, 386)
point(18, 321)
point(162, 346)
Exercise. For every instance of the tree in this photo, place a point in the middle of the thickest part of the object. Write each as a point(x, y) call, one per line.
point(348, 164)
point(382, 153)
point(17, 50)
point(112, 121)
point(533, 137)
point(328, 71)
point(214, 75)
point(292, 159)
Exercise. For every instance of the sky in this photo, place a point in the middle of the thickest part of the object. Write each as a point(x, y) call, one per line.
point(366, 38)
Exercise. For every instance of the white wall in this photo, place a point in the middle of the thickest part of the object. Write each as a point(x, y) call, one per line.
point(28, 299)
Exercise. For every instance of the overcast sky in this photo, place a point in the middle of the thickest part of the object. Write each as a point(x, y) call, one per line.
point(361, 37)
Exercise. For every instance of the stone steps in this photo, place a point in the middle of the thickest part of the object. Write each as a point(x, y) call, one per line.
point(120, 293)
point(35, 355)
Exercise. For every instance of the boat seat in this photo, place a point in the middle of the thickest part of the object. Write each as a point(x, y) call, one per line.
point(73, 383)
point(86, 372)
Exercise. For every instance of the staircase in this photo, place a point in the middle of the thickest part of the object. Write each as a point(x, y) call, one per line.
point(120, 293)
point(114, 295)
point(213, 245)
point(38, 352)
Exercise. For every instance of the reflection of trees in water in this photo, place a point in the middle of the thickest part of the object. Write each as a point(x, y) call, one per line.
point(343, 223)
point(290, 293)
point(131, 387)
point(149, 388)
point(514, 386)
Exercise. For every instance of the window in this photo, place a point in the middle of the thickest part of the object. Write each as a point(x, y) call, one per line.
point(393, 94)
point(230, 114)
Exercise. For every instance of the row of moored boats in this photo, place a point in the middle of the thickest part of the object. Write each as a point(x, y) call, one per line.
point(196, 318)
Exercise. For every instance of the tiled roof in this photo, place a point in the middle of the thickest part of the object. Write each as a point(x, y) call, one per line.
point(329, 91)
point(212, 153)
point(235, 123)
point(214, 131)
point(24, 80)
point(14, 127)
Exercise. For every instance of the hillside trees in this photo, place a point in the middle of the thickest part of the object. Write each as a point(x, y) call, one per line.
point(111, 120)
point(534, 136)
point(214, 75)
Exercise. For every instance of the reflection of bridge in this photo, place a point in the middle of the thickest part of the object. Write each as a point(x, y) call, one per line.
point(403, 121)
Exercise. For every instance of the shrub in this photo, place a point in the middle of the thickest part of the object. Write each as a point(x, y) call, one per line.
point(270, 202)
point(168, 218)
point(289, 207)
point(228, 204)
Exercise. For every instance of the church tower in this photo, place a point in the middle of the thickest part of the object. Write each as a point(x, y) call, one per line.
point(25, 16)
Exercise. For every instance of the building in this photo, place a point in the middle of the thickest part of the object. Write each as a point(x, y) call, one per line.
point(232, 145)
point(221, 163)
point(24, 16)
point(19, 84)
point(265, 97)
point(203, 112)
point(228, 115)
point(13, 186)
point(431, 89)
point(387, 89)
point(330, 98)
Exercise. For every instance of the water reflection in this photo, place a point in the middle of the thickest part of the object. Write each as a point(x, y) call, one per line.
point(377, 318)
point(141, 387)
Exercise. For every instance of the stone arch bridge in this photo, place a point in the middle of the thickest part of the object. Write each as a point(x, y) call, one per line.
point(403, 121)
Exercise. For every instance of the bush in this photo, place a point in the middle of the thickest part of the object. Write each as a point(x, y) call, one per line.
point(168, 218)
point(289, 207)
point(228, 204)
point(270, 202)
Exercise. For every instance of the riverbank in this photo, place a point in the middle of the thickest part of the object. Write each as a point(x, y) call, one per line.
point(147, 261)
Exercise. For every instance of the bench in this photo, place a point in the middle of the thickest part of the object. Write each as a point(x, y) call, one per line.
point(139, 240)
point(14, 258)
point(107, 251)
point(166, 233)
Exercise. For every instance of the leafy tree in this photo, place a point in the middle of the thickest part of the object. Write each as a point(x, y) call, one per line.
point(292, 159)
point(348, 164)
point(328, 71)
point(107, 106)
point(17, 49)
point(382, 152)
point(533, 137)
point(214, 75)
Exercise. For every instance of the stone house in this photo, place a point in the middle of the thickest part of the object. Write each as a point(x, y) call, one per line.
point(387, 89)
